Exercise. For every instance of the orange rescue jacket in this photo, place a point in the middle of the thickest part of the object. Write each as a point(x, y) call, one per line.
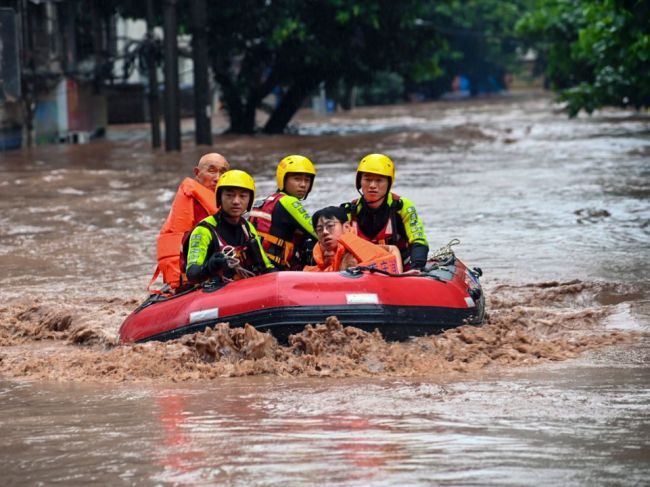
point(181, 219)
point(365, 253)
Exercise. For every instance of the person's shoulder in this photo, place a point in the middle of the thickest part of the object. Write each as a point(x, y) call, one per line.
point(288, 198)
point(291, 203)
point(210, 219)
point(274, 195)
point(402, 200)
point(192, 189)
point(263, 200)
point(203, 224)
point(187, 186)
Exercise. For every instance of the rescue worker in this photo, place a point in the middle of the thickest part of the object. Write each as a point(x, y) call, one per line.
point(226, 232)
point(382, 217)
point(281, 220)
point(193, 202)
point(338, 247)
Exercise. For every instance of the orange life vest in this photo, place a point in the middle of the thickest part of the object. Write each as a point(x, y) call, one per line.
point(366, 254)
point(181, 219)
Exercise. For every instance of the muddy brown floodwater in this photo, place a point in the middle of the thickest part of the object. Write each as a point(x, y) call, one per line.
point(554, 389)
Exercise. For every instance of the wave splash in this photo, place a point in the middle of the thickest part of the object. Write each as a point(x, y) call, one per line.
point(526, 325)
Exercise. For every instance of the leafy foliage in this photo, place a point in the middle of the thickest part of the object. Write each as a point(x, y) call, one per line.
point(596, 52)
point(257, 45)
point(290, 47)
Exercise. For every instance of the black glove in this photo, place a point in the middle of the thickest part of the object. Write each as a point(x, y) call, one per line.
point(419, 256)
point(216, 263)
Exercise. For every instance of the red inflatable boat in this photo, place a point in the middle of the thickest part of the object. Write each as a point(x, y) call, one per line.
point(284, 302)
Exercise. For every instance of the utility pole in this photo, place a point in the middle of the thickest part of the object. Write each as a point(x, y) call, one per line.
point(154, 96)
point(202, 95)
point(97, 42)
point(27, 67)
point(172, 95)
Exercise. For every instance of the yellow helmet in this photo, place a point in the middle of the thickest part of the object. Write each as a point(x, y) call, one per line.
point(376, 164)
point(294, 164)
point(236, 179)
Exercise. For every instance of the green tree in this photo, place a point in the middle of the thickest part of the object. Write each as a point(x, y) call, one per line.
point(256, 46)
point(595, 52)
point(292, 46)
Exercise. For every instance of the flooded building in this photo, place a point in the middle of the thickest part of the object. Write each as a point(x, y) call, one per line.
point(71, 67)
point(60, 52)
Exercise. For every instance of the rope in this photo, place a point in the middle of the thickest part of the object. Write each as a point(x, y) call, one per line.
point(444, 253)
point(234, 264)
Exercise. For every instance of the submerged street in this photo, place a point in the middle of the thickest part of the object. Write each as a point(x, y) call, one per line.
point(553, 389)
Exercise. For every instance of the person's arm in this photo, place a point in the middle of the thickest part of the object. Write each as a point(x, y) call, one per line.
point(415, 234)
point(197, 268)
point(293, 206)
